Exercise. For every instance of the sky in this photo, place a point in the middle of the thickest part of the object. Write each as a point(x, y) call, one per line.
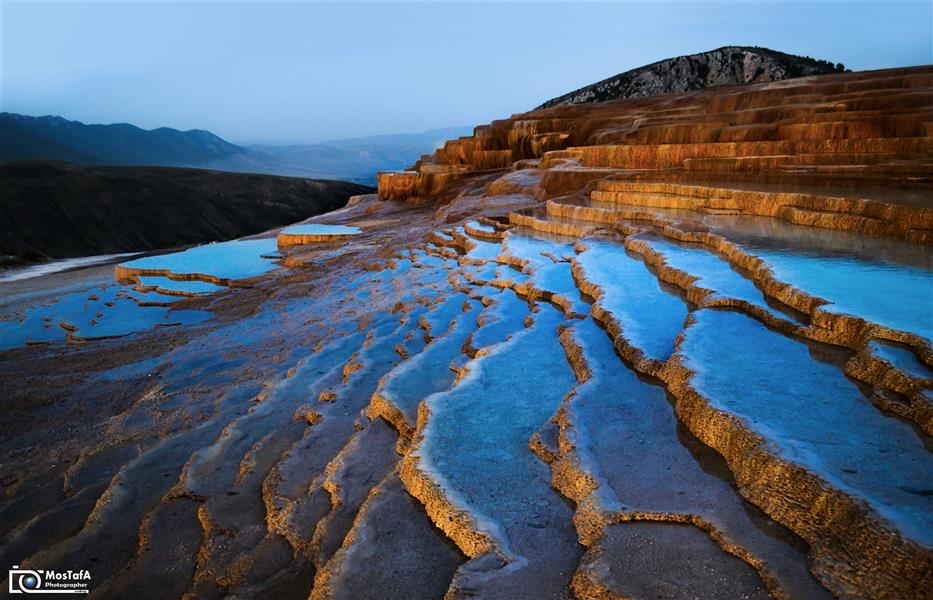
point(300, 71)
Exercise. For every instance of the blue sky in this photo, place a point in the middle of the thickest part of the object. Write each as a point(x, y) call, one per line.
point(306, 71)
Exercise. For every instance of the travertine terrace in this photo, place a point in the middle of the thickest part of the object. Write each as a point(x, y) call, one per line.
point(301, 235)
point(672, 347)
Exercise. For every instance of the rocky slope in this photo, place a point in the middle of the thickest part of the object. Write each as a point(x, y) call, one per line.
point(553, 362)
point(58, 210)
point(730, 65)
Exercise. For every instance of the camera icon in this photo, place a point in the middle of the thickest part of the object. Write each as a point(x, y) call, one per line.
point(24, 581)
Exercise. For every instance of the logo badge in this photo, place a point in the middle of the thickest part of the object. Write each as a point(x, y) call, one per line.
point(38, 581)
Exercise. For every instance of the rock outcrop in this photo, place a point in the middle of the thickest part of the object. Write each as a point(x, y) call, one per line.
point(729, 65)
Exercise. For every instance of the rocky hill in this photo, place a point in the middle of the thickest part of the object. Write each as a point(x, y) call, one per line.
point(56, 210)
point(729, 65)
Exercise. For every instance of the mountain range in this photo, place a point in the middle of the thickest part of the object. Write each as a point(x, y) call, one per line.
point(55, 138)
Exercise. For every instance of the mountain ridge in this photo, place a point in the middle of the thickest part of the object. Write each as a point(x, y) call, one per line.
point(727, 65)
point(115, 143)
point(55, 138)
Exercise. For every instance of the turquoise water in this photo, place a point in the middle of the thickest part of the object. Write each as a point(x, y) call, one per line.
point(650, 318)
point(188, 286)
point(476, 444)
point(529, 246)
point(874, 291)
point(817, 418)
point(481, 227)
point(319, 229)
point(501, 320)
point(509, 273)
point(626, 434)
point(442, 314)
point(484, 273)
point(557, 278)
point(430, 260)
point(547, 275)
point(901, 357)
point(866, 276)
point(89, 312)
point(429, 372)
point(482, 250)
point(479, 431)
point(237, 259)
point(713, 272)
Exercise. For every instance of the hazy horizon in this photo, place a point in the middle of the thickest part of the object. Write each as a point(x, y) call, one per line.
point(306, 72)
point(256, 142)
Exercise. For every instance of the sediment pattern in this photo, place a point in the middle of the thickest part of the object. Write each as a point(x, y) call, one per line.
point(675, 347)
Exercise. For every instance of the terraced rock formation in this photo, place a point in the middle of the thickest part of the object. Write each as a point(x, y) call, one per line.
point(300, 235)
point(673, 347)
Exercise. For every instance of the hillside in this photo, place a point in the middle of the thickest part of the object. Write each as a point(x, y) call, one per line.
point(56, 210)
point(730, 65)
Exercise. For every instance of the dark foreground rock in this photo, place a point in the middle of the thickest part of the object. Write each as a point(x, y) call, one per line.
point(57, 210)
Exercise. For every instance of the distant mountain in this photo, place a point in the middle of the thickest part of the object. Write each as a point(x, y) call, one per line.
point(730, 65)
point(59, 210)
point(54, 138)
point(357, 159)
